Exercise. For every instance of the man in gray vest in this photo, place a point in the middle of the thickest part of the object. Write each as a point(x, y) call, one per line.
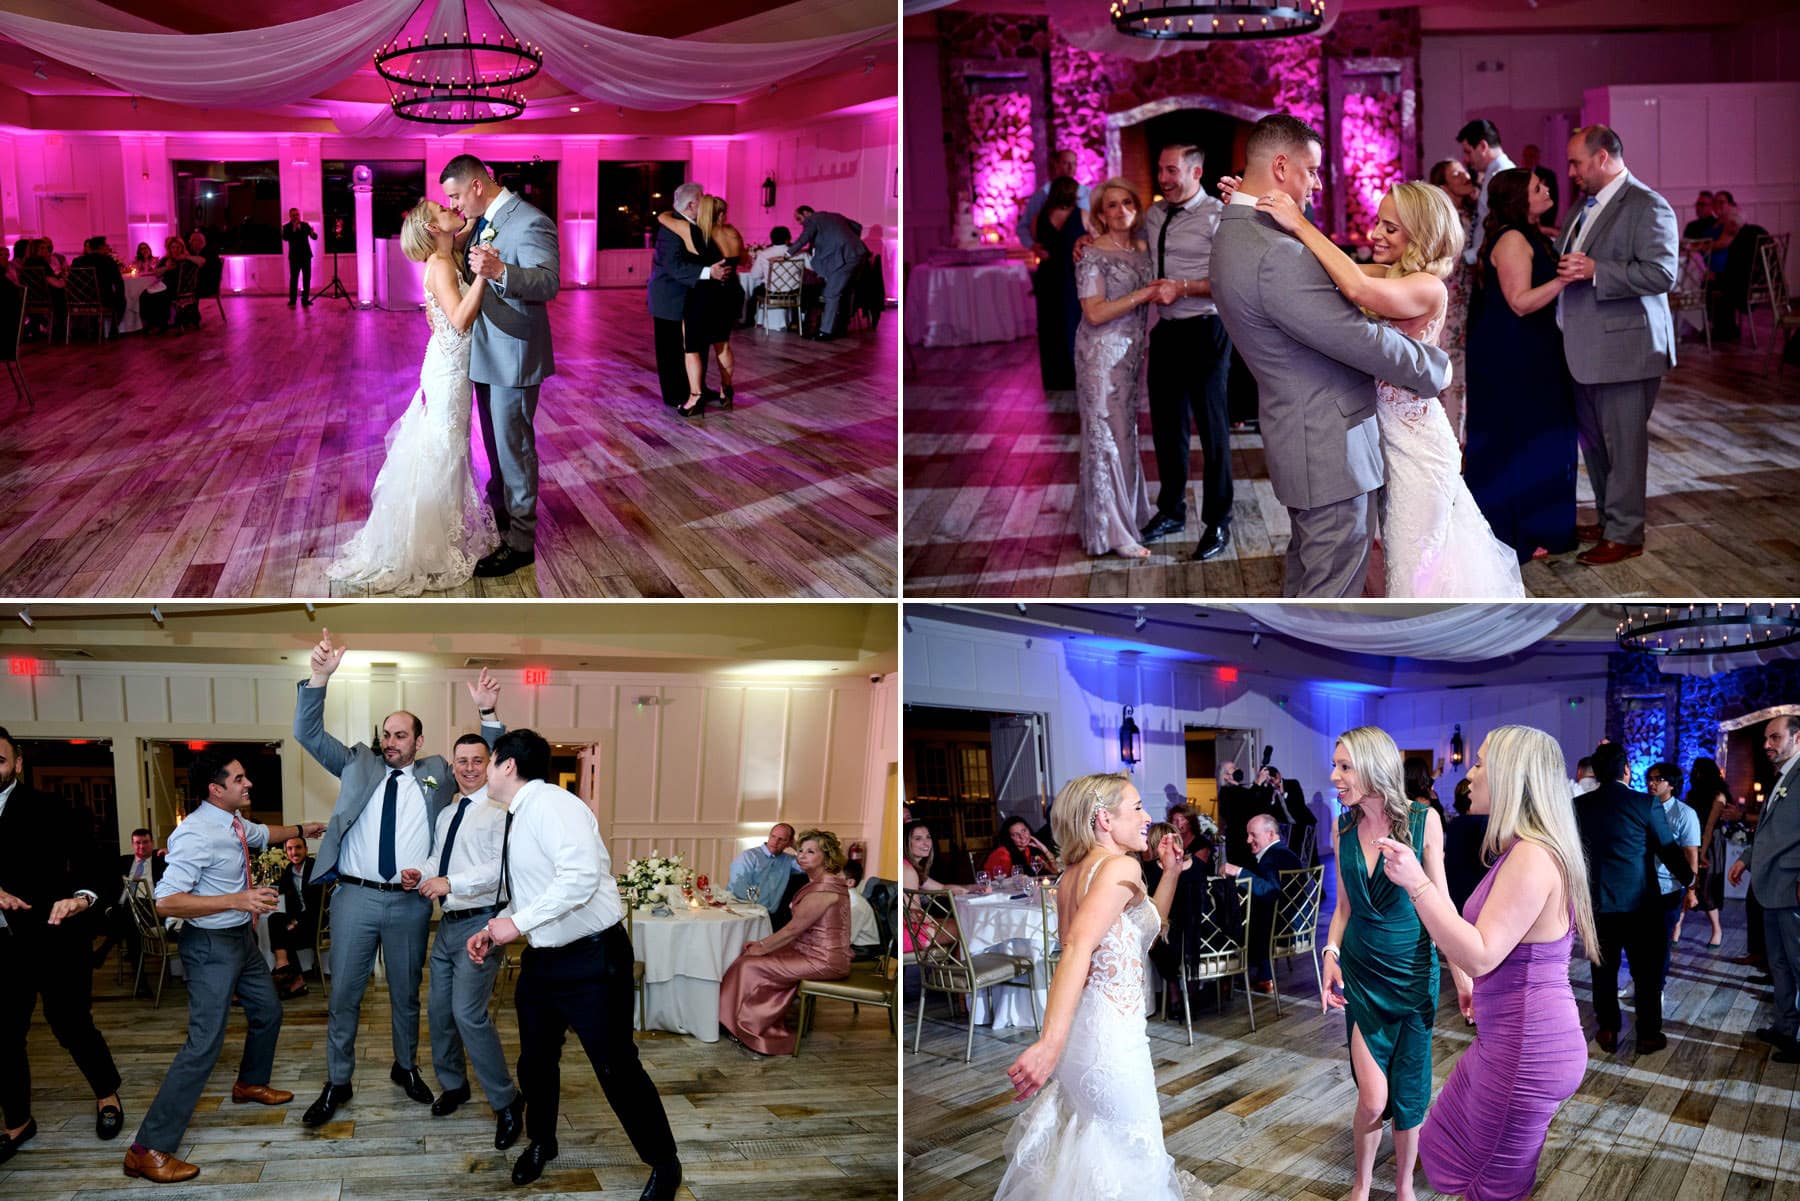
point(1316, 358)
point(1773, 861)
point(837, 253)
point(1619, 256)
point(385, 819)
point(514, 247)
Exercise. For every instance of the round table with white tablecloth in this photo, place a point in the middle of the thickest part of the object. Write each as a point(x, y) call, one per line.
point(135, 287)
point(999, 922)
point(685, 956)
point(959, 304)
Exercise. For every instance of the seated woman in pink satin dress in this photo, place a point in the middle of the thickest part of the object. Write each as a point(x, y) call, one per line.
point(1484, 1135)
point(763, 981)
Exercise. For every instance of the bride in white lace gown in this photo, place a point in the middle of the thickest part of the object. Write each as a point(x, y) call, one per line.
point(1094, 1133)
point(427, 525)
point(1434, 540)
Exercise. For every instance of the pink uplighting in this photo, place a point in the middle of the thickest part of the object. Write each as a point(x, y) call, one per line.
point(1000, 157)
point(1370, 135)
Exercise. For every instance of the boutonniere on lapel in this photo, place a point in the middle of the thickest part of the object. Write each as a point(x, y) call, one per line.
point(488, 235)
point(429, 782)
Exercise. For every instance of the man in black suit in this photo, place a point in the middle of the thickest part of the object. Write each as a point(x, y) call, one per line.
point(1623, 833)
point(1271, 857)
point(144, 859)
point(106, 269)
point(673, 272)
point(299, 236)
point(295, 927)
point(52, 877)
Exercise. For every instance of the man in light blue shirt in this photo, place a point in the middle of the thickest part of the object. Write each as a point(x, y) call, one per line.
point(1062, 165)
point(1664, 782)
point(208, 883)
point(768, 866)
point(1482, 155)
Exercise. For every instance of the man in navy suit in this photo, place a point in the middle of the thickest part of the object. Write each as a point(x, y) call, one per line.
point(1272, 857)
point(1623, 833)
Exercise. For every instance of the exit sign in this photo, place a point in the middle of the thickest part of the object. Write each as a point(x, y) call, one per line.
point(537, 675)
point(24, 667)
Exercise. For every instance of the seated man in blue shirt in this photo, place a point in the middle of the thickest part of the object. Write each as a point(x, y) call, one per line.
point(769, 867)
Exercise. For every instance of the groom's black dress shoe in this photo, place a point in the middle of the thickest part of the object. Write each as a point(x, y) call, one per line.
point(504, 561)
point(1213, 542)
point(10, 1143)
point(414, 1084)
point(509, 1123)
point(665, 1179)
point(320, 1111)
point(1160, 527)
point(449, 1101)
point(530, 1165)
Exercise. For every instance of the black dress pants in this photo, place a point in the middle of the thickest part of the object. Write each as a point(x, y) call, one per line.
point(300, 280)
point(671, 368)
point(1639, 934)
point(1189, 360)
point(586, 987)
point(59, 966)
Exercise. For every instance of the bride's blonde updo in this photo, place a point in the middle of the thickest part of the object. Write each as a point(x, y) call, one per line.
point(418, 239)
point(1434, 233)
point(1076, 811)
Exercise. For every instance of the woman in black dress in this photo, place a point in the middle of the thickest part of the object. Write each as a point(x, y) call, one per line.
point(1710, 801)
point(1520, 465)
point(1058, 307)
point(713, 305)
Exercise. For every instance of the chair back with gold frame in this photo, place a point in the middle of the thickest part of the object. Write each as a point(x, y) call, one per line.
point(946, 964)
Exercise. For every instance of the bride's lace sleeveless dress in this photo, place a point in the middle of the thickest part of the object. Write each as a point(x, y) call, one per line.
point(1433, 537)
point(427, 525)
point(1095, 1132)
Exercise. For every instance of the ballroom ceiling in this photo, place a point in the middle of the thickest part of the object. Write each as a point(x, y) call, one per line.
point(1519, 16)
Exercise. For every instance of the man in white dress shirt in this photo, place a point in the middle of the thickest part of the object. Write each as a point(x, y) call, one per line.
point(558, 893)
point(464, 878)
point(1481, 154)
point(383, 820)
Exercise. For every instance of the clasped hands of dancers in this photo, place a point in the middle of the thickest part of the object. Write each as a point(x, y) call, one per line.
point(406, 830)
point(1095, 1113)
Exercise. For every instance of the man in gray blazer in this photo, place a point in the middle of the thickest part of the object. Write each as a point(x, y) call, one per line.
point(1315, 358)
point(514, 246)
point(384, 820)
point(837, 251)
point(1773, 861)
point(1619, 256)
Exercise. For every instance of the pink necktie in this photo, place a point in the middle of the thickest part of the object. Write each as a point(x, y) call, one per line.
point(237, 827)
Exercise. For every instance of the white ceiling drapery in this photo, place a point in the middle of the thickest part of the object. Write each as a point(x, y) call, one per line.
point(1457, 634)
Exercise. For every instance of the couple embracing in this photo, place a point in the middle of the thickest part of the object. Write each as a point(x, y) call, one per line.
point(489, 277)
point(1348, 369)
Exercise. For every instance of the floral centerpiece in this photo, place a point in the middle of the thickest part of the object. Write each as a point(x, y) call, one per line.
point(267, 867)
point(644, 878)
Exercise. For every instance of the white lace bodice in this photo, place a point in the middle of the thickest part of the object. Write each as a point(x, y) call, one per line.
point(1116, 971)
point(444, 335)
point(1404, 403)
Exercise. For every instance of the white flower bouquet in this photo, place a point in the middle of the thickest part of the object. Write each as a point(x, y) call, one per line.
point(645, 878)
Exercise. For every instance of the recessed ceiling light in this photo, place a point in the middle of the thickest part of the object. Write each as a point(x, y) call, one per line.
point(574, 108)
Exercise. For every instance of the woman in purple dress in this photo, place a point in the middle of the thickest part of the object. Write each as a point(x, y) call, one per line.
point(1486, 1131)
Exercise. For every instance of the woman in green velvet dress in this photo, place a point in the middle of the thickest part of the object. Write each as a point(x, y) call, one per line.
point(1380, 966)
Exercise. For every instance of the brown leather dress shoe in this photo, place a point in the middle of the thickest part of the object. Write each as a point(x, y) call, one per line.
point(1607, 553)
point(1266, 987)
point(158, 1166)
point(262, 1094)
point(1608, 1040)
point(1590, 532)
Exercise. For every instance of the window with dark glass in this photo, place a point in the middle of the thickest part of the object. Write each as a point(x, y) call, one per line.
point(533, 182)
point(237, 205)
point(396, 185)
point(631, 194)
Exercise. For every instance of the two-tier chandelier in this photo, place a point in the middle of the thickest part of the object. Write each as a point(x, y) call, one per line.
point(1712, 628)
point(1216, 20)
point(457, 81)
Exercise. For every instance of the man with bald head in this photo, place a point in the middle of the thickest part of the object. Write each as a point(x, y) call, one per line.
point(1272, 857)
point(384, 821)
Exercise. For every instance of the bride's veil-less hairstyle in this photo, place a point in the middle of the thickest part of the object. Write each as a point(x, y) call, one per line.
point(417, 238)
point(1076, 810)
point(1434, 233)
point(1528, 797)
point(1376, 761)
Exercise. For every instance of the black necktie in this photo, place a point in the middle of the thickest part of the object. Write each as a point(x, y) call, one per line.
point(299, 890)
point(450, 838)
point(505, 897)
point(390, 803)
point(1162, 237)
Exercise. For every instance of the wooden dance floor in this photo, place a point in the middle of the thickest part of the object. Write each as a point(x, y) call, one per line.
point(749, 1128)
point(238, 460)
point(991, 471)
point(1267, 1114)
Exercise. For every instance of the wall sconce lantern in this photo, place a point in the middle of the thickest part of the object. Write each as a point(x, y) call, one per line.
point(1456, 746)
point(768, 193)
point(1128, 740)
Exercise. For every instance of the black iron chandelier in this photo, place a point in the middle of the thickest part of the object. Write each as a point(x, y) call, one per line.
point(457, 82)
point(1713, 628)
point(1217, 20)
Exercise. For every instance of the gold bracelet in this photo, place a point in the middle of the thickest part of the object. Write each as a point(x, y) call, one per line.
point(1414, 896)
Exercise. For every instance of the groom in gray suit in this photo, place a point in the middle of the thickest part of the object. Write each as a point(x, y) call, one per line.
point(1619, 258)
point(1773, 861)
point(1316, 358)
point(514, 247)
point(385, 819)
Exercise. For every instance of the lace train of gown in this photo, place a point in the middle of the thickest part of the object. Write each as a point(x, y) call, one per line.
point(1095, 1132)
point(1433, 537)
point(427, 525)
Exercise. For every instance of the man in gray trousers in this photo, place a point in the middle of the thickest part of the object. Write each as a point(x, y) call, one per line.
point(837, 252)
point(1619, 258)
point(463, 876)
point(1316, 358)
point(514, 247)
point(385, 817)
point(209, 884)
point(1773, 861)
